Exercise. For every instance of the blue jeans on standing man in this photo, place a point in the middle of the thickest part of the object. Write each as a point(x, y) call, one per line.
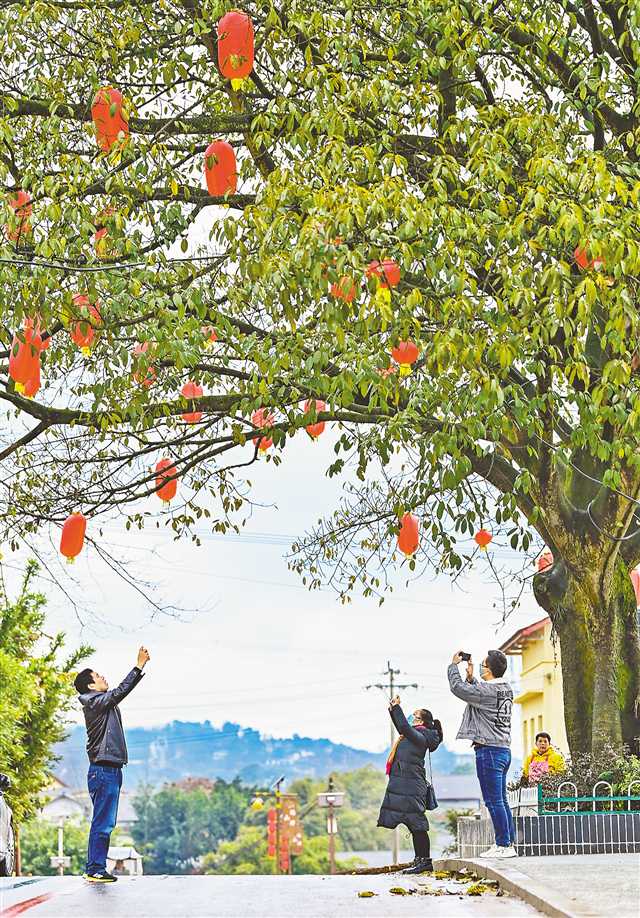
point(492, 765)
point(104, 783)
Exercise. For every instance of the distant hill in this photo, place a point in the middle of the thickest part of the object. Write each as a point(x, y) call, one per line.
point(179, 750)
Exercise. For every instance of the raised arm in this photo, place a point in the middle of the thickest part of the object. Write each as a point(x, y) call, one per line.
point(104, 700)
point(474, 693)
point(405, 729)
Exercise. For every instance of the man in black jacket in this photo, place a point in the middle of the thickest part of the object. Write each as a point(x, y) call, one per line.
point(107, 751)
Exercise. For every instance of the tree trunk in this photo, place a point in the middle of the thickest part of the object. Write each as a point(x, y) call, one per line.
point(600, 652)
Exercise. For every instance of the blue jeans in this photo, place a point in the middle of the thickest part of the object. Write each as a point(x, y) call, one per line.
point(104, 783)
point(492, 765)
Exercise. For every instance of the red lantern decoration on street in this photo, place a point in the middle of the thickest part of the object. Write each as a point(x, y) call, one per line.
point(166, 480)
point(264, 419)
point(584, 262)
point(387, 272)
point(409, 535)
point(83, 330)
point(20, 226)
point(635, 580)
point(483, 538)
point(220, 169)
point(314, 430)
point(148, 379)
point(545, 560)
point(405, 354)
point(24, 357)
point(210, 335)
point(72, 538)
point(272, 832)
point(102, 245)
point(192, 390)
point(235, 47)
point(109, 119)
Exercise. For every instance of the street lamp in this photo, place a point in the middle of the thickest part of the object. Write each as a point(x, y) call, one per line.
point(330, 799)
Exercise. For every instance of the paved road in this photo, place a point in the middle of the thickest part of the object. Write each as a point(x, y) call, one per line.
point(241, 897)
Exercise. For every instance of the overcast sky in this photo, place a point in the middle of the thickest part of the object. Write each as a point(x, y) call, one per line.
point(259, 649)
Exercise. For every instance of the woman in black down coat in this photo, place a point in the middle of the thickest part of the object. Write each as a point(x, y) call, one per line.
point(405, 801)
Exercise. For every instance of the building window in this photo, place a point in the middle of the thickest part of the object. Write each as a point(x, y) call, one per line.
point(539, 723)
point(524, 737)
point(533, 730)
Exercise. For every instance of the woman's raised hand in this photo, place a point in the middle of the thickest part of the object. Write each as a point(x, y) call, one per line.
point(395, 701)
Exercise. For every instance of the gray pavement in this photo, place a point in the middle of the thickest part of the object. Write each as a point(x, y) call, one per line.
point(577, 885)
point(242, 897)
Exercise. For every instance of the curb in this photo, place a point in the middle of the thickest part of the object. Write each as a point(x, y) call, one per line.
point(542, 897)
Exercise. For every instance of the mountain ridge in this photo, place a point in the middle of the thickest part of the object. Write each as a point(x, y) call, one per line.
point(180, 749)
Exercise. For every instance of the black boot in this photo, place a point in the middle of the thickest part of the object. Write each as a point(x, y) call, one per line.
point(423, 865)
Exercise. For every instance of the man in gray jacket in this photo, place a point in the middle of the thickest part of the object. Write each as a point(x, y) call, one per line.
point(487, 723)
point(107, 751)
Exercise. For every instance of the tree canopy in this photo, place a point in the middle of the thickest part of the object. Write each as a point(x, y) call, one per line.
point(37, 690)
point(490, 150)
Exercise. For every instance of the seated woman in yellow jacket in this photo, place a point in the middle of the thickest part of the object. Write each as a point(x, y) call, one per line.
point(544, 760)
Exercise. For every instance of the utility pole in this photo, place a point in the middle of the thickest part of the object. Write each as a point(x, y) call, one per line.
point(278, 812)
point(392, 688)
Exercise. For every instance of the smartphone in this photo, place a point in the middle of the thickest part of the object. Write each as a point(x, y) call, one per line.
point(465, 656)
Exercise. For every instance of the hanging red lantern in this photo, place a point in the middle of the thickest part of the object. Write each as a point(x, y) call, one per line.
point(409, 535)
point(148, 379)
point(166, 480)
point(387, 272)
point(483, 538)
point(220, 169)
point(32, 386)
point(405, 353)
point(263, 418)
point(72, 538)
point(344, 289)
point(109, 119)
point(314, 430)
point(192, 390)
point(545, 560)
point(83, 331)
point(235, 47)
point(20, 225)
point(584, 262)
point(635, 580)
point(24, 357)
point(210, 335)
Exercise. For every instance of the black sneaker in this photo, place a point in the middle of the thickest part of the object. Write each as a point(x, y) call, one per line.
point(100, 876)
point(424, 865)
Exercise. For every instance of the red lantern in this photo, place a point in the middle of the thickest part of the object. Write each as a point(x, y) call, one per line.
point(263, 418)
point(32, 385)
point(635, 580)
point(83, 331)
point(409, 535)
point(314, 430)
point(483, 537)
point(72, 538)
point(387, 272)
point(109, 119)
point(166, 480)
point(210, 335)
point(345, 289)
point(24, 356)
point(220, 169)
point(406, 353)
point(235, 47)
point(581, 256)
point(545, 560)
point(192, 390)
point(150, 376)
point(20, 226)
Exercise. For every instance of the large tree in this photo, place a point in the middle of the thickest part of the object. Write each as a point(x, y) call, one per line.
point(478, 144)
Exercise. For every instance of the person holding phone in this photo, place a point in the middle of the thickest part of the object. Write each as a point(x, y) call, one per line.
point(406, 797)
point(107, 752)
point(487, 723)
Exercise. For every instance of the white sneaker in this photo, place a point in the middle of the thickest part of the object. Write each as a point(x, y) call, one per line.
point(493, 851)
point(509, 851)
